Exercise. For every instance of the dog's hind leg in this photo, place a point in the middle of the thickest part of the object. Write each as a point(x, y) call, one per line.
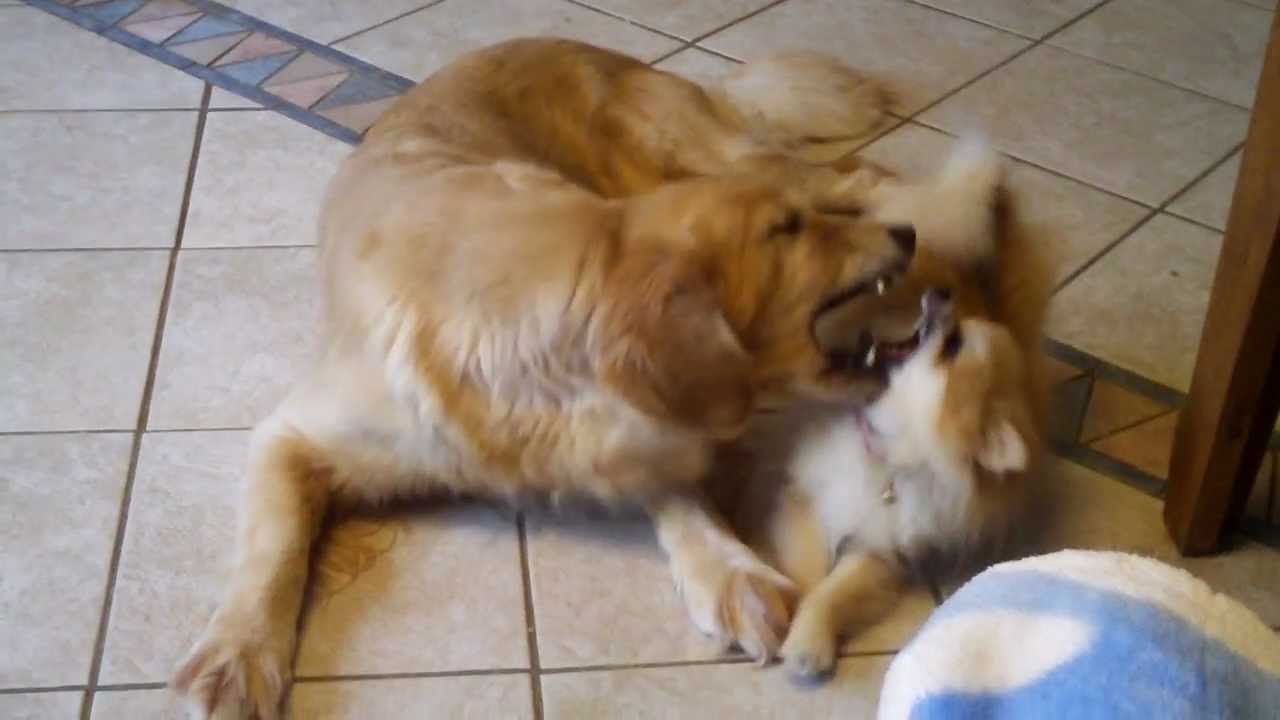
point(730, 593)
point(859, 590)
point(241, 665)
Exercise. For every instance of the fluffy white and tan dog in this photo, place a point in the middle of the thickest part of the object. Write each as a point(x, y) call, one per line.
point(851, 502)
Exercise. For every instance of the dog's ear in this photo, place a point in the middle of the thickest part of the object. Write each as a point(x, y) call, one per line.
point(666, 346)
point(1004, 449)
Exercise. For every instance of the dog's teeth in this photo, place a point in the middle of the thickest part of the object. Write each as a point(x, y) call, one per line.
point(880, 285)
point(871, 357)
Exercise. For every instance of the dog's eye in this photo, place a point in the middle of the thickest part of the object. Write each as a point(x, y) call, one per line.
point(790, 224)
point(952, 343)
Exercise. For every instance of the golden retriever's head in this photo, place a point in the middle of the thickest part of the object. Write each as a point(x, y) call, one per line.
point(717, 289)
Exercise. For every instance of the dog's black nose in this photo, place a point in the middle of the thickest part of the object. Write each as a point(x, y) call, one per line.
point(905, 237)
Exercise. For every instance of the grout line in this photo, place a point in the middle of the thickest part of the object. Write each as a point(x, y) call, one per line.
point(159, 431)
point(1044, 168)
point(1193, 221)
point(283, 246)
point(81, 111)
point(383, 23)
point(33, 251)
point(1080, 440)
point(1084, 267)
point(125, 687)
point(679, 49)
point(41, 690)
point(535, 669)
point(630, 21)
point(144, 408)
point(1114, 66)
point(37, 433)
point(976, 21)
point(727, 660)
point(1113, 469)
point(716, 30)
point(409, 675)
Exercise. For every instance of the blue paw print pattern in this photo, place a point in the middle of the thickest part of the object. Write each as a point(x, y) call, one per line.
point(1087, 636)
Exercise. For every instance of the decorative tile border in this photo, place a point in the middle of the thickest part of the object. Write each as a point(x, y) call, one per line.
point(1109, 419)
point(316, 85)
point(1121, 424)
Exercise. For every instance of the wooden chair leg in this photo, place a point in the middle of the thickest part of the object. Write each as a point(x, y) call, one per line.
point(1235, 391)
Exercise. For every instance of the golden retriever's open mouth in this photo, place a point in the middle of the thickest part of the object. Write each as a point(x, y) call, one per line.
point(870, 327)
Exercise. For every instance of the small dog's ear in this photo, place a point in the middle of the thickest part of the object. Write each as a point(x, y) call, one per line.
point(666, 346)
point(1004, 449)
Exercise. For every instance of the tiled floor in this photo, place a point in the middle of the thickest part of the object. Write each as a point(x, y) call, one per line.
point(157, 291)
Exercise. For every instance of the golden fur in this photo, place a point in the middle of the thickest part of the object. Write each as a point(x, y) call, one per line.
point(852, 502)
point(551, 268)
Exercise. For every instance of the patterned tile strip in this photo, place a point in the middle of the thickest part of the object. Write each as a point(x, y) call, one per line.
point(316, 85)
point(1109, 419)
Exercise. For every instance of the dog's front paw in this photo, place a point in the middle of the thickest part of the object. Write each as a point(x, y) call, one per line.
point(809, 652)
point(231, 677)
point(741, 608)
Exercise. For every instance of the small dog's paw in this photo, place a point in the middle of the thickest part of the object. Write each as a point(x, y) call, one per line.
point(227, 678)
point(809, 652)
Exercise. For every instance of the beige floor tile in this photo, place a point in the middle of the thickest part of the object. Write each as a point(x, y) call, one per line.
point(93, 180)
point(103, 74)
point(421, 592)
point(1209, 201)
point(325, 20)
point(697, 65)
point(1112, 408)
point(1146, 446)
point(260, 180)
point(1210, 46)
point(679, 17)
point(1074, 221)
point(505, 697)
point(75, 337)
point(1142, 305)
point(1078, 508)
point(602, 595)
point(61, 498)
point(241, 327)
point(737, 691)
point(220, 99)
point(1268, 4)
point(41, 706)
point(177, 549)
point(420, 44)
point(919, 53)
point(138, 704)
point(1033, 18)
point(1104, 126)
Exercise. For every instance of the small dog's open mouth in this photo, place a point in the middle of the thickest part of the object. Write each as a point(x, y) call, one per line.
point(870, 327)
point(879, 356)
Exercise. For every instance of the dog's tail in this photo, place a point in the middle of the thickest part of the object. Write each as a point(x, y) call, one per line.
point(802, 97)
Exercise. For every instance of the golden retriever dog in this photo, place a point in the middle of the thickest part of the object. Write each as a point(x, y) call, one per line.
point(851, 502)
point(551, 269)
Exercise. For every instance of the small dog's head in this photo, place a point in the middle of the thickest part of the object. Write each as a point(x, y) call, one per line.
point(716, 289)
point(958, 404)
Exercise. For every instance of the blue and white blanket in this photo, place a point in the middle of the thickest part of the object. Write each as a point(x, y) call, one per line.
point(1087, 635)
